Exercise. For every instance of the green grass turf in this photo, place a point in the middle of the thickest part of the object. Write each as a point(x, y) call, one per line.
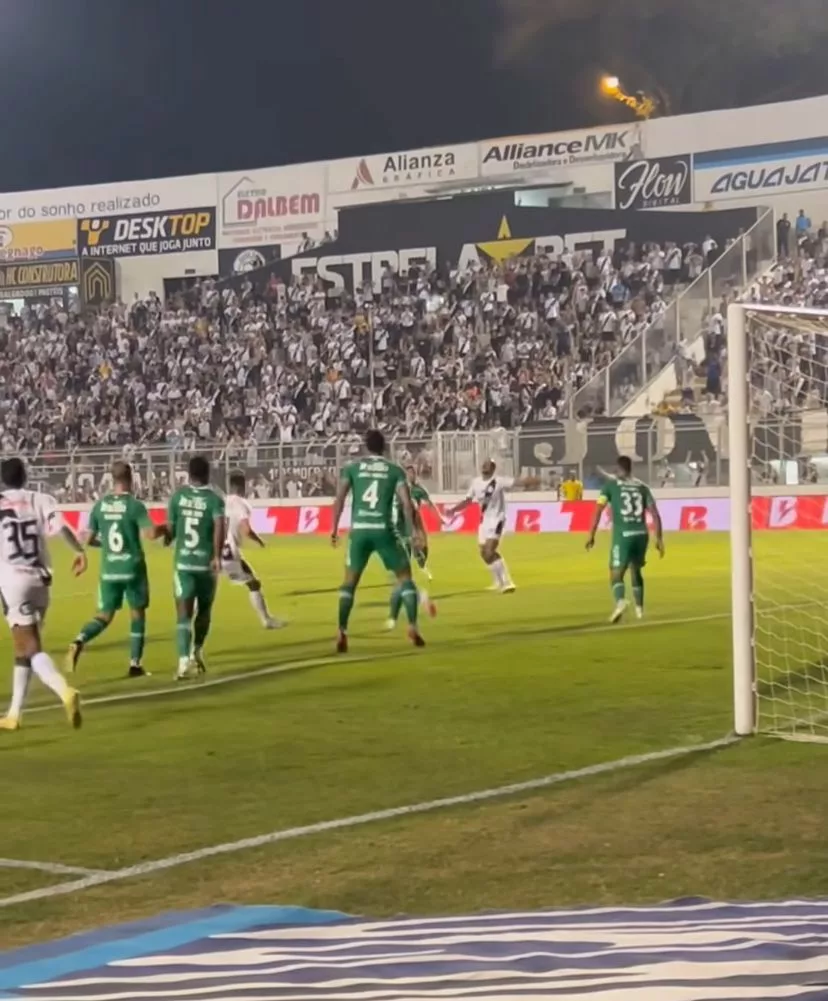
point(510, 688)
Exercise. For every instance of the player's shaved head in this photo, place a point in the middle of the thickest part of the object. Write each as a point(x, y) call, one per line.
point(488, 468)
point(13, 473)
point(625, 465)
point(375, 442)
point(198, 470)
point(238, 483)
point(122, 474)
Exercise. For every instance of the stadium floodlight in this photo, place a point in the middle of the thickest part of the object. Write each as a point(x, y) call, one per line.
point(778, 430)
point(642, 104)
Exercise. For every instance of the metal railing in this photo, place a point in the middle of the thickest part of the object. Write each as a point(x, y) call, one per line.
point(617, 384)
point(680, 450)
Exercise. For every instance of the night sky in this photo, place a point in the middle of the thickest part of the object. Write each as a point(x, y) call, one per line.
point(104, 90)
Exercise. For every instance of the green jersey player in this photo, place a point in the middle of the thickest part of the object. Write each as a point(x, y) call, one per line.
point(117, 524)
point(376, 486)
point(629, 500)
point(196, 523)
point(419, 498)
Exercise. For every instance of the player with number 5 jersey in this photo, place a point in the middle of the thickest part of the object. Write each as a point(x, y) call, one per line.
point(197, 524)
point(117, 525)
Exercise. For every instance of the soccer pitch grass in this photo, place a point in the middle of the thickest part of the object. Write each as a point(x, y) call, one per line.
point(510, 688)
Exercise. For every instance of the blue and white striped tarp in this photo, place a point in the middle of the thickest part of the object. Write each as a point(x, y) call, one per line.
point(686, 951)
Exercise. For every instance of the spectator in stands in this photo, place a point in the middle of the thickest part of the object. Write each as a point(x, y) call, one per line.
point(783, 231)
point(490, 345)
point(803, 225)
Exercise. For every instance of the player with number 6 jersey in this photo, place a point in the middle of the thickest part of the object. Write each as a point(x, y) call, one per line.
point(117, 524)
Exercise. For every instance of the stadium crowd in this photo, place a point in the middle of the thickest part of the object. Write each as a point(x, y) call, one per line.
point(446, 350)
point(789, 365)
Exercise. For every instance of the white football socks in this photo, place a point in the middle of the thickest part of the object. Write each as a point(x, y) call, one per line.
point(44, 667)
point(500, 572)
point(259, 604)
point(20, 686)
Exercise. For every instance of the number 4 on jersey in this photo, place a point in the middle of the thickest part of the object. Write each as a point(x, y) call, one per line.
point(371, 494)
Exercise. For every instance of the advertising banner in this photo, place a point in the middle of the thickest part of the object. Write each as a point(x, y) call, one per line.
point(702, 514)
point(654, 184)
point(175, 232)
point(477, 229)
point(159, 195)
point(561, 149)
point(240, 260)
point(97, 285)
point(38, 241)
point(440, 164)
point(28, 281)
point(757, 172)
point(262, 207)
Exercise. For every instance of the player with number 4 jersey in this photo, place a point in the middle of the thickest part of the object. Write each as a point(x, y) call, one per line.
point(630, 502)
point(376, 487)
point(117, 525)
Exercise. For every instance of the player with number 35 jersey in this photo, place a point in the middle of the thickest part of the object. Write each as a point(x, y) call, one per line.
point(27, 519)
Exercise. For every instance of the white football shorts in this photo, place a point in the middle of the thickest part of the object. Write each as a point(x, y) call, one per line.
point(237, 571)
point(490, 530)
point(25, 597)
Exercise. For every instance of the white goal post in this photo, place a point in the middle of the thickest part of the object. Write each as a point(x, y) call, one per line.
point(777, 392)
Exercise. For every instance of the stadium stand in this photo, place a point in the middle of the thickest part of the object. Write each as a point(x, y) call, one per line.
point(794, 362)
point(441, 351)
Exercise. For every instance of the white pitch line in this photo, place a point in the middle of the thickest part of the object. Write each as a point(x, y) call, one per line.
point(291, 833)
point(56, 868)
point(296, 665)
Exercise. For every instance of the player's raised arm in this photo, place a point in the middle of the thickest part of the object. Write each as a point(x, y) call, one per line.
point(342, 492)
point(461, 505)
point(658, 528)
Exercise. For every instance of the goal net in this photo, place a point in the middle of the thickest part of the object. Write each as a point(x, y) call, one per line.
point(778, 432)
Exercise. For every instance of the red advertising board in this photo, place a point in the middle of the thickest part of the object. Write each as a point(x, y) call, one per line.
point(703, 514)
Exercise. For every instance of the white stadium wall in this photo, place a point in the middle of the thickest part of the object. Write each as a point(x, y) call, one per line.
point(122, 198)
point(774, 155)
point(142, 275)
